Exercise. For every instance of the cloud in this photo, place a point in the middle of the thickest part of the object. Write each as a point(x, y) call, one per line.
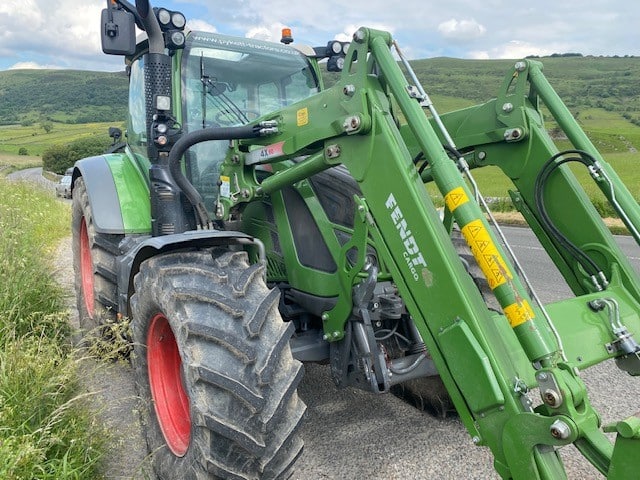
point(461, 30)
point(201, 26)
point(65, 30)
point(271, 33)
point(31, 66)
point(516, 49)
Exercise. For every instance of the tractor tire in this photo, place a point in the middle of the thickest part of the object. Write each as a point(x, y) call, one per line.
point(94, 265)
point(214, 368)
point(427, 394)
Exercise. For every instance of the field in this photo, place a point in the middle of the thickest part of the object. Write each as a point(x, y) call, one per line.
point(10, 162)
point(603, 94)
point(36, 140)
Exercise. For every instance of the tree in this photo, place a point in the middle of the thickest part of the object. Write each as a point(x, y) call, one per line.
point(23, 151)
point(88, 147)
point(57, 159)
point(47, 126)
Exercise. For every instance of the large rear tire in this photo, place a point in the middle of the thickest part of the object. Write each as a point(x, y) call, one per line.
point(214, 368)
point(94, 264)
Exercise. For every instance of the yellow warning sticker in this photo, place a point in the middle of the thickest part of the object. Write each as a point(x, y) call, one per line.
point(486, 254)
point(455, 198)
point(519, 313)
point(302, 117)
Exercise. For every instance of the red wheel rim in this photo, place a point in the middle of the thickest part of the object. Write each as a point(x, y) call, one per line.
point(165, 379)
point(86, 269)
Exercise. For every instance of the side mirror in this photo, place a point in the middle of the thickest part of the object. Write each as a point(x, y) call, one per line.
point(115, 133)
point(118, 32)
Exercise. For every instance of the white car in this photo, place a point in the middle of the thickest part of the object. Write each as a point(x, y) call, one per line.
point(63, 187)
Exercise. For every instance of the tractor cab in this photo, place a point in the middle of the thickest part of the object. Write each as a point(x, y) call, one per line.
point(229, 82)
point(225, 82)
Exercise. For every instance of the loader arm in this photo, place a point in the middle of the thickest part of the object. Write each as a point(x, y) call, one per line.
point(490, 361)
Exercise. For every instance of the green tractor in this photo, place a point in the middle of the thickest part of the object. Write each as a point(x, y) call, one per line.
point(254, 220)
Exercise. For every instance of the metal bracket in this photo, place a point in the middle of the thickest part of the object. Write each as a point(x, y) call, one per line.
point(334, 319)
point(549, 389)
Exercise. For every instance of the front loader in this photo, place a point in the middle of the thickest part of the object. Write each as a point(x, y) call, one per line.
point(255, 219)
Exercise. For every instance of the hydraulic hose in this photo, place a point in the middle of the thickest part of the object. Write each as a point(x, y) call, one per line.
point(189, 140)
point(587, 263)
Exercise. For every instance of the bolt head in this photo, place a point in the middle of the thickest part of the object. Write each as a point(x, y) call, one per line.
point(560, 430)
point(507, 107)
point(552, 398)
point(359, 36)
point(520, 66)
point(349, 90)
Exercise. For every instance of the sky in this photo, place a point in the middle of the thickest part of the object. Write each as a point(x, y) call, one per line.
point(66, 33)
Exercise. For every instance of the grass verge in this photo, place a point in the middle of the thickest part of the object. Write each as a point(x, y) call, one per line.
point(45, 430)
point(9, 163)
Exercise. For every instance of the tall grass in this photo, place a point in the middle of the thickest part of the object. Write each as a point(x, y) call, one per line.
point(45, 432)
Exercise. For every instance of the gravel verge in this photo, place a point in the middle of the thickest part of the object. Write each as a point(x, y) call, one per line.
point(113, 394)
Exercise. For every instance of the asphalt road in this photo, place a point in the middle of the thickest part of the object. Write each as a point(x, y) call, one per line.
point(33, 175)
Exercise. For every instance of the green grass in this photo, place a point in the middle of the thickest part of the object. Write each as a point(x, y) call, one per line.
point(10, 162)
point(36, 140)
point(45, 432)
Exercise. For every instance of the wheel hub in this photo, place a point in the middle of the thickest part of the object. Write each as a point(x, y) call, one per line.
point(86, 270)
point(167, 389)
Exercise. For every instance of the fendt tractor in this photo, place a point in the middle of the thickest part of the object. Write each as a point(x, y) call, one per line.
point(253, 220)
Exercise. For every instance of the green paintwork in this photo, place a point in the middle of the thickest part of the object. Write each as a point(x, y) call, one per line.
point(488, 360)
point(133, 190)
point(486, 365)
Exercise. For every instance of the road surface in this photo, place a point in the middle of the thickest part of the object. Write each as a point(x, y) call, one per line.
point(33, 175)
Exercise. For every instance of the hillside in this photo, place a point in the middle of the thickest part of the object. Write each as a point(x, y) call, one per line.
point(71, 96)
point(67, 96)
point(603, 93)
point(610, 83)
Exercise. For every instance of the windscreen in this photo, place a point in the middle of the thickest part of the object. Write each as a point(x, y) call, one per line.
point(229, 81)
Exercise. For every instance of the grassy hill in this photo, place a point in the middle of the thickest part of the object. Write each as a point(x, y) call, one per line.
point(610, 83)
point(66, 96)
point(603, 93)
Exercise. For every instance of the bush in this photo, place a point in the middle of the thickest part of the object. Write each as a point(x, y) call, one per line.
point(58, 158)
point(23, 151)
point(88, 147)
